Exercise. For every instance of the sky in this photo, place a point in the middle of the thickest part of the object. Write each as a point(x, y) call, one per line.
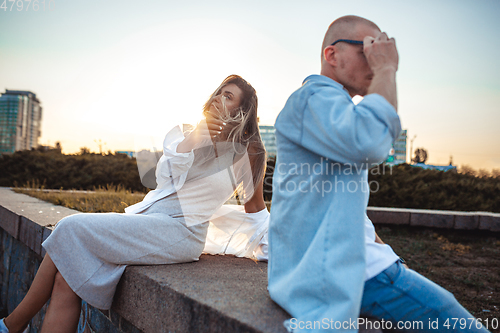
point(124, 72)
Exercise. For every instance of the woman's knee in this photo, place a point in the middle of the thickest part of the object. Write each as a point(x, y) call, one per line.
point(69, 223)
point(61, 286)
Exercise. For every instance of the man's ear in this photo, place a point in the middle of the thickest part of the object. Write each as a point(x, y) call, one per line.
point(330, 55)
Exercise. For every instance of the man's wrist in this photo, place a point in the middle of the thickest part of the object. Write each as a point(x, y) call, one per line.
point(386, 70)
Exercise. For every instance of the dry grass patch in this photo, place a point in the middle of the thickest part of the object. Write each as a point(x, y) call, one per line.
point(100, 200)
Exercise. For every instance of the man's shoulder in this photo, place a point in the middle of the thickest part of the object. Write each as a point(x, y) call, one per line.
point(318, 82)
point(291, 116)
point(312, 85)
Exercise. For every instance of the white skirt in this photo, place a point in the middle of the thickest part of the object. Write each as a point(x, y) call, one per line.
point(91, 250)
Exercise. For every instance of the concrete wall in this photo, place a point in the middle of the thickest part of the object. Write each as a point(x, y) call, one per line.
point(17, 269)
point(21, 255)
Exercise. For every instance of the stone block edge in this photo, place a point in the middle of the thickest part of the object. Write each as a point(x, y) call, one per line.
point(436, 219)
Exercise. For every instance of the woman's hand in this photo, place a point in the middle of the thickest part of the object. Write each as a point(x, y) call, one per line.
point(203, 134)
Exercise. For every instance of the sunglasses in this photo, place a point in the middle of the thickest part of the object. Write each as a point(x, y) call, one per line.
point(350, 41)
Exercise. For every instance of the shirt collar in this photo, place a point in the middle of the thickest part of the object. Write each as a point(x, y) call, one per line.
point(325, 80)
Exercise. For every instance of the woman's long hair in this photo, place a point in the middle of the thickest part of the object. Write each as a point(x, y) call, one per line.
point(242, 125)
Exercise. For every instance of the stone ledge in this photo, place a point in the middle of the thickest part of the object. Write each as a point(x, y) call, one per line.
point(388, 215)
point(40, 212)
point(215, 294)
point(9, 221)
point(435, 218)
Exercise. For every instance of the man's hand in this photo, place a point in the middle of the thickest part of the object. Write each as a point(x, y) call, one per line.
point(204, 132)
point(382, 57)
point(381, 53)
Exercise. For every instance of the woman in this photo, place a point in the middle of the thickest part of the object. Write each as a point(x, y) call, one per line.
point(87, 253)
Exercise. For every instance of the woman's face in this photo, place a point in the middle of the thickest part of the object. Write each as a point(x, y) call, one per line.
point(230, 95)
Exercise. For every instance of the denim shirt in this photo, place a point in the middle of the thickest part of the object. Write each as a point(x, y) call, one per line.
point(326, 144)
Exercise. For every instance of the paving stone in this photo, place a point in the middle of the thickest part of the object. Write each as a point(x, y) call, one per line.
point(9, 221)
point(216, 294)
point(388, 216)
point(45, 234)
point(5, 251)
point(432, 219)
point(30, 234)
point(466, 221)
point(489, 222)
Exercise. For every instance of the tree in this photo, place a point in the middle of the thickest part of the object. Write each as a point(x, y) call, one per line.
point(495, 173)
point(84, 151)
point(483, 173)
point(420, 155)
point(467, 170)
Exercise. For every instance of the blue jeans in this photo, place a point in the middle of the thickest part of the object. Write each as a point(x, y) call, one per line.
point(403, 297)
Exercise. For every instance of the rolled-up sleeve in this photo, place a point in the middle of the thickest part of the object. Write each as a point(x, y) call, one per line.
point(334, 127)
point(172, 168)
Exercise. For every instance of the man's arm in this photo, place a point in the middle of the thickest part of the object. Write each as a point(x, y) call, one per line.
point(335, 128)
point(382, 57)
point(378, 240)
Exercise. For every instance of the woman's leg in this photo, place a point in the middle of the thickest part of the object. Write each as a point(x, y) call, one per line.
point(38, 294)
point(64, 309)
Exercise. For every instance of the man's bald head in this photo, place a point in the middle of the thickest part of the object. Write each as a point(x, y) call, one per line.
point(344, 62)
point(344, 27)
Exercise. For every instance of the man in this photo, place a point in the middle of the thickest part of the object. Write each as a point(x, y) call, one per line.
point(326, 263)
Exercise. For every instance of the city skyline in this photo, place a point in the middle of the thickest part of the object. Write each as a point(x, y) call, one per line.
point(123, 72)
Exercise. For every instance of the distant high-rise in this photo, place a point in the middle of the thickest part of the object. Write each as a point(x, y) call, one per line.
point(20, 121)
point(268, 135)
point(397, 154)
